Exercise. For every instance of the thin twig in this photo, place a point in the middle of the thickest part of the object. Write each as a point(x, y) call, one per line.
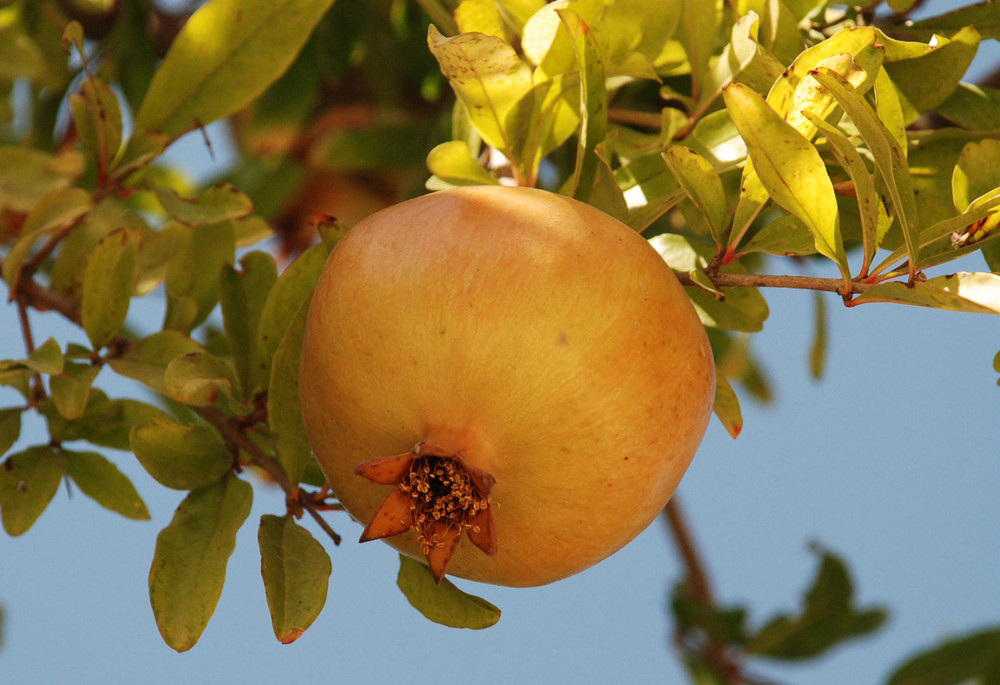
point(697, 578)
point(733, 280)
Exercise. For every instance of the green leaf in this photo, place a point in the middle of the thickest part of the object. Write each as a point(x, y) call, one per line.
point(926, 75)
point(973, 107)
point(818, 351)
point(105, 422)
point(785, 236)
point(28, 482)
point(958, 292)
point(790, 168)
point(197, 379)
point(861, 43)
point(242, 295)
point(983, 15)
point(189, 563)
point(101, 480)
point(97, 117)
point(443, 603)
point(192, 281)
point(828, 617)
point(593, 104)
point(283, 409)
point(870, 207)
point(296, 572)
point(293, 287)
point(54, 210)
point(890, 158)
point(107, 285)
point(213, 205)
point(697, 32)
point(46, 359)
point(70, 390)
point(180, 457)
point(10, 428)
point(702, 184)
point(727, 406)
point(487, 76)
point(743, 309)
point(976, 172)
point(454, 164)
point(721, 625)
point(972, 657)
point(20, 56)
point(146, 360)
point(28, 175)
point(226, 55)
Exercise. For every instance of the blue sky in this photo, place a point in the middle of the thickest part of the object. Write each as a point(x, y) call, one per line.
point(890, 460)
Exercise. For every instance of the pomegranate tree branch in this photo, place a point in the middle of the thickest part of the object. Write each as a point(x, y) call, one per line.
point(697, 578)
point(731, 280)
point(232, 432)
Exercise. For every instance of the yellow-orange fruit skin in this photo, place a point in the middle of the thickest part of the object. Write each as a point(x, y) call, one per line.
point(547, 343)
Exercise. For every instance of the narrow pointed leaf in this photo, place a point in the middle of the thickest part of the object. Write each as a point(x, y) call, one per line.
point(890, 158)
point(701, 183)
point(101, 480)
point(107, 285)
point(28, 482)
point(697, 31)
point(189, 563)
point(727, 406)
point(869, 202)
point(178, 456)
point(959, 292)
point(283, 409)
point(296, 572)
point(226, 55)
point(443, 603)
point(242, 295)
point(215, 204)
point(192, 281)
point(593, 103)
point(973, 657)
point(293, 287)
point(98, 119)
point(790, 168)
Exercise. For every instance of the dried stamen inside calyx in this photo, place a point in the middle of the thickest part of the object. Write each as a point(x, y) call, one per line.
point(439, 496)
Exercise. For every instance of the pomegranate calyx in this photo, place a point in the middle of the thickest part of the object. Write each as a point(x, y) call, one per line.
point(439, 496)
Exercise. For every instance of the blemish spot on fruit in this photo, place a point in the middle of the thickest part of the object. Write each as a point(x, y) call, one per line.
point(563, 339)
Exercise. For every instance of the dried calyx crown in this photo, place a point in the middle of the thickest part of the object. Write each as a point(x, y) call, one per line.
point(438, 495)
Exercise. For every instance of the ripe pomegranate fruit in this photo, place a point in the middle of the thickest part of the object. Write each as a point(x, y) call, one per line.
point(503, 381)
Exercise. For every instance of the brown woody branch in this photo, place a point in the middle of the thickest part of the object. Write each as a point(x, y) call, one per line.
point(733, 280)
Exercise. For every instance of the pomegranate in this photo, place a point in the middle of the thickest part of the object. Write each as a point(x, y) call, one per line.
point(504, 382)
